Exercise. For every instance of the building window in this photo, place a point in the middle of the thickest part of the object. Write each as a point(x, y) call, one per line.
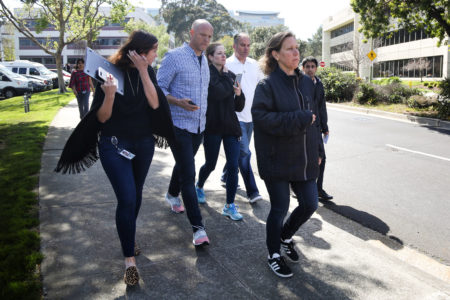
point(431, 66)
point(400, 36)
point(26, 43)
point(45, 60)
point(342, 30)
point(341, 48)
point(343, 66)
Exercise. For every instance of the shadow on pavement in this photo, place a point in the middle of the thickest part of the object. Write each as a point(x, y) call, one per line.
point(363, 218)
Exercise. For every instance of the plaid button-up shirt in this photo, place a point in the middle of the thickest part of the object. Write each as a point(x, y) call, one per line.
point(80, 80)
point(182, 76)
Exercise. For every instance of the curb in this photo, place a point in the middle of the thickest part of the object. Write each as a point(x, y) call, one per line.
point(407, 118)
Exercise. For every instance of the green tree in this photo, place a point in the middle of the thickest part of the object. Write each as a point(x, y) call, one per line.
point(259, 38)
point(314, 45)
point(227, 41)
point(379, 17)
point(160, 31)
point(180, 14)
point(74, 20)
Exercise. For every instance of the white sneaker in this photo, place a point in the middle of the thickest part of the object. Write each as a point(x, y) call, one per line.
point(175, 203)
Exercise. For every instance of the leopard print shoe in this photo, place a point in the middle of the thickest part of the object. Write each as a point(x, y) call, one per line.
point(131, 276)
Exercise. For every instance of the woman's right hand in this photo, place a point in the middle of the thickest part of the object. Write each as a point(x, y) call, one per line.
point(108, 87)
point(313, 118)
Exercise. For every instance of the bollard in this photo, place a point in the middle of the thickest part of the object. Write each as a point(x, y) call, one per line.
point(26, 101)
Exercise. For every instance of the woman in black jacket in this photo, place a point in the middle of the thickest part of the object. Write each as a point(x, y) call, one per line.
point(127, 125)
point(286, 145)
point(224, 99)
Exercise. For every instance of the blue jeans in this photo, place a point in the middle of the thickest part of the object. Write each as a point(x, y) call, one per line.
point(212, 147)
point(244, 160)
point(83, 103)
point(183, 175)
point(127, 178)
point(279, 194)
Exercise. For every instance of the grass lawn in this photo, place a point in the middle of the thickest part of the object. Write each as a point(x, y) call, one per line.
point(22, 137)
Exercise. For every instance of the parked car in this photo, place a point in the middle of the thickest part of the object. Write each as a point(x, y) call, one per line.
point(12, 84)
point(39, 85)
point(66, 75)
point(26, 67)
point(47, 84)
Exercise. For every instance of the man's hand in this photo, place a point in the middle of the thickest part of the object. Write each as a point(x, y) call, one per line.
point(184, 103)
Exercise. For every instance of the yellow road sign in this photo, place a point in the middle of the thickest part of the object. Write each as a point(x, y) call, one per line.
point(371, 55)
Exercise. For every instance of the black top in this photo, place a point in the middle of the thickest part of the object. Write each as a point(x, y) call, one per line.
point(222, 104)
point(80, 150)
point(287, 146)
point(321, 112)
point(130, 116)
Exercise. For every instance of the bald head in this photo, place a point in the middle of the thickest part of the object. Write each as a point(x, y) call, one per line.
point(201, 34)
point(200, 22)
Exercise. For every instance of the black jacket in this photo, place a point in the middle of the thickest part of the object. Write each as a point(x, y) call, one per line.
point(80, 150)
point(222, 104)
point(285, 142)
point(321, 106)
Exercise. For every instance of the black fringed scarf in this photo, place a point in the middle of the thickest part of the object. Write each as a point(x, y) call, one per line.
point(80, 151)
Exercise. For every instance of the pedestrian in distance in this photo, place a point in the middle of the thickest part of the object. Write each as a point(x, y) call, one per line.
point(240, 63)
point(81, 85)
point(129, 126)
point(287, 146)
point(309, 66)
point(184, 78)
point(67, 67)
point(224, 99)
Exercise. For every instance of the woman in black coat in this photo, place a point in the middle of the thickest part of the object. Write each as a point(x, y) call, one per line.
point(286, 145)
point(224, 99)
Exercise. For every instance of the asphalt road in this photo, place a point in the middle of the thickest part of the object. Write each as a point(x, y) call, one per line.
point(393, 177)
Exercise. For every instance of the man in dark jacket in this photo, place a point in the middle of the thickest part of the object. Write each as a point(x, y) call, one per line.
point(309, 65)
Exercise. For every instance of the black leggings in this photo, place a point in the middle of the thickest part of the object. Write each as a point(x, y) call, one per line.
point(279, 194)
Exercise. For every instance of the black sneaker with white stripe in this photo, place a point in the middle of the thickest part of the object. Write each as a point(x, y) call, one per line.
point(278, 266)
point(289, 250)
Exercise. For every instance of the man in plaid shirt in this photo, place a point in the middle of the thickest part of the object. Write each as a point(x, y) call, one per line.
point(81, 85)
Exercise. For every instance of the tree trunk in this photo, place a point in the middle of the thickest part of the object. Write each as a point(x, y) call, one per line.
point(59, 65)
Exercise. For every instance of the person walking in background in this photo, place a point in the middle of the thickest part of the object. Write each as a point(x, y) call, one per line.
point(224, 99)
point(81, 85)
point(67, 67)
point(184, 78)
point(129, 127)
point(240, 63)
point(287, 146)
point(309, 66)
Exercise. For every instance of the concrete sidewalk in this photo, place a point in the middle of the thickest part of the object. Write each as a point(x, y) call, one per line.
point(339, 258)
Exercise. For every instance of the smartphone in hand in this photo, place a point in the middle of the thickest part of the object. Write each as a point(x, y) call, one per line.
point(238, 79)
point(191, 103)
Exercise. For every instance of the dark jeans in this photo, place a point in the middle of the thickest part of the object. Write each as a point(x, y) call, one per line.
point(244, 160)
point(83, 103)
point(183, 175)
point(279, 194)
point(127, 178)
point(211, 144)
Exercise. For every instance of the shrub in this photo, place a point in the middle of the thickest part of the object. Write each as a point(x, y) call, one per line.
point(444, 85)
point(367, 94)
point(339, 86)
point(393, 79)
point(425, 83)
point(442, 106)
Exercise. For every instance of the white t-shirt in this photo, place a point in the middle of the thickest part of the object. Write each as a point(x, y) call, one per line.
point(251, 75)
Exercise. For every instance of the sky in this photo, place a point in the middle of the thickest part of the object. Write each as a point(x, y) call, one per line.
point(302, 17)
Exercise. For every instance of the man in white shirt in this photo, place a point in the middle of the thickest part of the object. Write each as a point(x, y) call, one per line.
point(240, 63)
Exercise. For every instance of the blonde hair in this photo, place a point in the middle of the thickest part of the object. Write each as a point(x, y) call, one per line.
point(268, 62)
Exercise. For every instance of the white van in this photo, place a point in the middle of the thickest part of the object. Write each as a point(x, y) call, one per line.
point(12, 84)
point(26, 67)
